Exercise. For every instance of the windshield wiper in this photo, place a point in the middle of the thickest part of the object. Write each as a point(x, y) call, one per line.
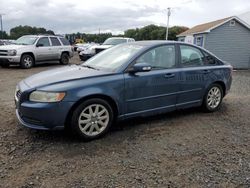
point(90, 67)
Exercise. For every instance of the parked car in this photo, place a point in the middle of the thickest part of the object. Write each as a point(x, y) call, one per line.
point(128, 80)
point(77, 45)
point(31, 49)
point(85, 47)
point(90, 52)
point(5, 42)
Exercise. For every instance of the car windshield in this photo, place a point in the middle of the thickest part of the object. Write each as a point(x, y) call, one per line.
point(26, 40)
point(113, 58)
point(114, 41)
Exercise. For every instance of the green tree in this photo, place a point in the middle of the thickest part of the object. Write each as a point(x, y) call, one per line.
point(153, 32)
point(20, 30)
point(3, 35)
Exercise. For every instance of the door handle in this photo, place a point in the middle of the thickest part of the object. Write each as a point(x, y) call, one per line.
point(205, 71)
point(169, 75)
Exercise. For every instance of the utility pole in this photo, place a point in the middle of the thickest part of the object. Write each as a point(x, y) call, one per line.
point(1, 18)
point(169, 14)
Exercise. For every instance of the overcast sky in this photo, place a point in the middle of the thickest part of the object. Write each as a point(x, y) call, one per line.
point(114, 16)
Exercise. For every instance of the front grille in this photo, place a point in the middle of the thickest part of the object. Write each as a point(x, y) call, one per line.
point(18, 94)
point(98, 50)
point(3, 52)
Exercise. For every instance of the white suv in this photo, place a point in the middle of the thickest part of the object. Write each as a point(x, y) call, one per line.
point(31, 49)
point(108, 43)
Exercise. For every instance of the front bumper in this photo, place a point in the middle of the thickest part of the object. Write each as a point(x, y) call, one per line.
point(43, 116)
point(9, 59)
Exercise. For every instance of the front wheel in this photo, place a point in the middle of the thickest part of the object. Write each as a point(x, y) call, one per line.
point(92, 119)
point(27, 61)
point(213, 98)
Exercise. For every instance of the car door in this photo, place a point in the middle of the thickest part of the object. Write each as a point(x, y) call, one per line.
point(156, 90)
point(56, 48)
point(43, 49)
point(194, 76)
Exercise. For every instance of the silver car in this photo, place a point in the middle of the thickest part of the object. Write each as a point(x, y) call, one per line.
point(31, 49)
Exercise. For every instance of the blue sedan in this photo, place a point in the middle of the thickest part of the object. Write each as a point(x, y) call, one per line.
point(128, 80)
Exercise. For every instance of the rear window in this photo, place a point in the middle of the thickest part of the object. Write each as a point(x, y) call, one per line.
point(65, 41)
point(55, 41)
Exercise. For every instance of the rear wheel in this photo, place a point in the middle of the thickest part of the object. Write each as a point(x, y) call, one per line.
point(213, 98)
point(64, 59)
point(27, 61)
point(92, 119)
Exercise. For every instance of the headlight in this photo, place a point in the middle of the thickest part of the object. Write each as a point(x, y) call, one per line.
point(11, 52)
point(43, 96)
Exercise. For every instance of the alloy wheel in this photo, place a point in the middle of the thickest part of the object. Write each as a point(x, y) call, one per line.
point(27, 62)
point(214, 97)
point(93, 120)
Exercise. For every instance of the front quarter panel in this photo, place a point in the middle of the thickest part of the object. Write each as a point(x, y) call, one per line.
point(111, 86)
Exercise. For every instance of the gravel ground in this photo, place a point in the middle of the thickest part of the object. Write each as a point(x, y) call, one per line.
point(180, 149)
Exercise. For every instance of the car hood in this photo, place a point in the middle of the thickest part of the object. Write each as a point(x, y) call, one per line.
point(58, 75)
point(11, 47)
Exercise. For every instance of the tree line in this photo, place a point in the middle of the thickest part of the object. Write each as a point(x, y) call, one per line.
point(150, 32)
point(153, 32)
point(20, 30)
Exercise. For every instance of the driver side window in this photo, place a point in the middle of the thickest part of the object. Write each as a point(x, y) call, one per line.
point(162, 57)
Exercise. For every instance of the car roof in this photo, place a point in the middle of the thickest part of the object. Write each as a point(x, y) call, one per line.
point(44, 35)
point(155, 42)
point(120, 38)
point(151, 43)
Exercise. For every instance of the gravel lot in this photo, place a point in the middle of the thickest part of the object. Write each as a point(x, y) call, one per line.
point(180, 149)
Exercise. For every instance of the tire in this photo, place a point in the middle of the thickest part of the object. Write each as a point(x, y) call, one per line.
point(64, 59)
point(87, 124)
point(213, 98)
point(27, 61)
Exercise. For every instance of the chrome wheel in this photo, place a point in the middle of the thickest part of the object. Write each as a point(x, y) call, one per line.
point(214, 97)
point(93, 120)
point(27, 62)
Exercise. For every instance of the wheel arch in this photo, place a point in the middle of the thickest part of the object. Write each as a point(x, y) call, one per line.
point(66, 52)
point(223, 85)
point(29, 53)
point(107, 98)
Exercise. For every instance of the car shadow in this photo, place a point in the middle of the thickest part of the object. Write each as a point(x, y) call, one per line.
point(120, 128)
point(123, 133)
point(46, 64)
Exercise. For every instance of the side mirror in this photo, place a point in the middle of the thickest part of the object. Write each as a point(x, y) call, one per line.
point(140, 67)
point(39, 45)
